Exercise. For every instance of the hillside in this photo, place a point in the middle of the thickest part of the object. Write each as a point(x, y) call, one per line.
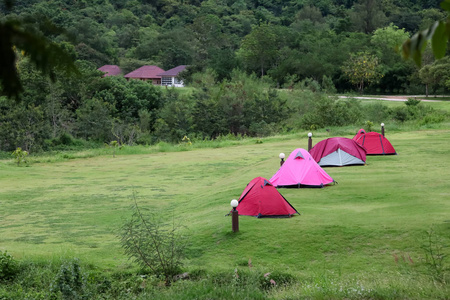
point(308, 39)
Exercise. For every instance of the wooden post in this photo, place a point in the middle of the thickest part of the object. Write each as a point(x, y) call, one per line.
point(234, 220)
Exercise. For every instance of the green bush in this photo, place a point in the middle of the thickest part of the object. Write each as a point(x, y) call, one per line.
point(328, 111)
point(412, 102)
point(400, 114)
point(20, 155)
point(377, 112)
point(8, 266)
point(70, 282)
point(433, 118)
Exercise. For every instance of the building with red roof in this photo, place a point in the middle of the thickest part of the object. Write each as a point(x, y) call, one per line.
point(146, 73)
point(170, 77)
point(110, 70)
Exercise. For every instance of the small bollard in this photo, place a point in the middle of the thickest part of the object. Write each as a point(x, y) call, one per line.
point(234, 216)
point(281, 156)
point(309, 141)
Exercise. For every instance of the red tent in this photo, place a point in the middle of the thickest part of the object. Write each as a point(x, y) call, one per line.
point(360, 133)
point(261, 199)
point(338, 151)
point(375, 143)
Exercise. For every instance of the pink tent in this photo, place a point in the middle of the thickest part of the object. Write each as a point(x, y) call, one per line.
point(300, 170)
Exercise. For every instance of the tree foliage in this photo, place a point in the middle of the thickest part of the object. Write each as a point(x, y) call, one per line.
point(259, 47)
point(47, 55)
point(438, 33)
point(362, 69)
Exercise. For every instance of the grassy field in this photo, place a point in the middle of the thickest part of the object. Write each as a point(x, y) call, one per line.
point(367, 231)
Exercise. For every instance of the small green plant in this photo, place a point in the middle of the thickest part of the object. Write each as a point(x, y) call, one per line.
point(153, 244)
point(8, 266)
point(114, 145)
point(434, 256)
point(70, 282)
point(369, 126)
point(20, 155)
point(186, 141)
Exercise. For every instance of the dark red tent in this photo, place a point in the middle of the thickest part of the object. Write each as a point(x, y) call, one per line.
point(338, 151)
point(261, 199)
point(375, 143)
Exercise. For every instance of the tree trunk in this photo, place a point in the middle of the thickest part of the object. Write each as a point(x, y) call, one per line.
point(426, 90)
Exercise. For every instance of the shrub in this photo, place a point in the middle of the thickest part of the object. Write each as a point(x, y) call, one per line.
point(66, 139)
point(400, 114)
point(412, 102)
point(20, 155)
point(377, 112)
point(8, 266)
point(369, 126)
point(70, 282)
point(328, 111)
point(328, 85)
point(432, 118)
point(152, 244)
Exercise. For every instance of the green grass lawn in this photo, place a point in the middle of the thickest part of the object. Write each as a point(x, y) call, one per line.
point(370, 227)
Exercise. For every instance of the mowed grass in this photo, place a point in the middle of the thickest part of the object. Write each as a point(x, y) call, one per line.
point(371, 225)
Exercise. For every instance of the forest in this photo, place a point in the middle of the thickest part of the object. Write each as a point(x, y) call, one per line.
point(255, 68)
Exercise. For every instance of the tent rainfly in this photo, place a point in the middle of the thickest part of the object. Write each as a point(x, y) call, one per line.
point(338, 152)
point(300, 170)
point(374, 142)
point(261, 199)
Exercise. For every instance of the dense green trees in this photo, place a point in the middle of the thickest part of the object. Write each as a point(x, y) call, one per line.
point(238, 53)
point(273, 38)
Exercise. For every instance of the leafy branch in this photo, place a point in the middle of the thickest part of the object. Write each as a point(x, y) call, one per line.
point(438, 33)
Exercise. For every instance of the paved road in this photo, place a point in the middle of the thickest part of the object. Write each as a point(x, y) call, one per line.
point(394, 98)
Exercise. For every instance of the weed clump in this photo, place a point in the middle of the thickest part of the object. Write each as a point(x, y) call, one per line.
point(70, 282)
point(8, 266)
